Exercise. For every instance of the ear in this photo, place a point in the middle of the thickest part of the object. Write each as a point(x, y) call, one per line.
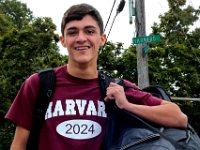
point(62, 41)
point(103, 39)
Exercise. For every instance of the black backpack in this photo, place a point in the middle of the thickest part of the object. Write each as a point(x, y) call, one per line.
point(126, 131)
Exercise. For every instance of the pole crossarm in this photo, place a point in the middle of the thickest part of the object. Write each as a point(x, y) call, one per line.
point(185, 99)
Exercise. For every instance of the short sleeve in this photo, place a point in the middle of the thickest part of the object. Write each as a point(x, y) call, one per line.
point(137, 96)
point(21, 110)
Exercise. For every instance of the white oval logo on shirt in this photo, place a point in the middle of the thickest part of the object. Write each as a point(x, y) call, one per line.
point(79, 129)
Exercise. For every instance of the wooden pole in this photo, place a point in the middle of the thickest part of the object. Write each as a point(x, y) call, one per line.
point(142, 59)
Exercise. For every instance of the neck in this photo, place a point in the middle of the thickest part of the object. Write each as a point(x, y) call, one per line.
point(83, 72)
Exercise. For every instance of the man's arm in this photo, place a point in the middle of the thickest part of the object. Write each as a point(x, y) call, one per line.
point(20, 139)
point(167, 113)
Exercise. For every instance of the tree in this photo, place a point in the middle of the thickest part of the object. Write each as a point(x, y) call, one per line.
point(178, 49)
point(174, 62)
point(17, 12)
point(127, 65)
point(27, 44)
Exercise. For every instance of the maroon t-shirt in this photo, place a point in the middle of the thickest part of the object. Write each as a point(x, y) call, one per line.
point(76, 117)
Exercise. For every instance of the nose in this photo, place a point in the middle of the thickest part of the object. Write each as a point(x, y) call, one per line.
point(81, 37)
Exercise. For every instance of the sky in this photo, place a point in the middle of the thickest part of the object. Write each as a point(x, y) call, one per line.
point(122, 30)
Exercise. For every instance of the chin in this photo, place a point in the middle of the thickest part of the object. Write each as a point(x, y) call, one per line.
point(83, 61)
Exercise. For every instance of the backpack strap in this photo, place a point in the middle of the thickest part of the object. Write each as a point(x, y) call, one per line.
point(158, 91)
point(46, 88)
point(104, 81)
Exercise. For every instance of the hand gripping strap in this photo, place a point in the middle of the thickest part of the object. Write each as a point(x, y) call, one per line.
point(104, 81)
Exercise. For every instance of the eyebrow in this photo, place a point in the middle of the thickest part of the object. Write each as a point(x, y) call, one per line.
point(86, 27)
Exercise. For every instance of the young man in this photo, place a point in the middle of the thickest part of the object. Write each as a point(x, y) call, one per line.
point(76, 117)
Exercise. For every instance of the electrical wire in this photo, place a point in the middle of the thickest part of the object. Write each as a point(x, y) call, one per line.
point(119, 9)
point(111, 27)
point(109, 15)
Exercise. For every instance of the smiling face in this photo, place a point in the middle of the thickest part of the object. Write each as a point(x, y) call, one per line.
point(82, 38)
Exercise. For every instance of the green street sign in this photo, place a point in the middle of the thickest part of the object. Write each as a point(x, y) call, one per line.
point(146, 39)
point(145, 49)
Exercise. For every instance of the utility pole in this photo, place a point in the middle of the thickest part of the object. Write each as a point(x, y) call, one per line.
point(142, 58)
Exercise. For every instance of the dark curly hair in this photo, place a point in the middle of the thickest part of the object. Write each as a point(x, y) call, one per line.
point(77, 12)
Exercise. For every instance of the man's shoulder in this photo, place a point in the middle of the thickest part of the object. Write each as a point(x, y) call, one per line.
point(60, 68)
point(130, 84)
point(34, 78)
point(56, 70)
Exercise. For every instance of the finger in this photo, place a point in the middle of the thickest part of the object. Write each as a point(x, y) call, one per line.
point(106, 99)
point(109, 97)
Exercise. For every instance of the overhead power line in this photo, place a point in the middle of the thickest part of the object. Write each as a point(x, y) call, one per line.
point(119, 9)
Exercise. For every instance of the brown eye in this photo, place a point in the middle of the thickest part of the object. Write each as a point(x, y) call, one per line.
point(72, 32)
point(90, 32)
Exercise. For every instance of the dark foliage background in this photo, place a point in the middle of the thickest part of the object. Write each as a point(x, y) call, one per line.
point(28, 44)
